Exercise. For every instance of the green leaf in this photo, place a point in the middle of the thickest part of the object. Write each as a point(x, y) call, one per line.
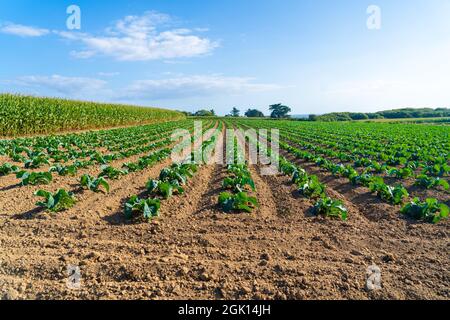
point(102, 181)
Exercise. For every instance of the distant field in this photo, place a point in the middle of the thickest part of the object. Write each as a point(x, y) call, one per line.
point(24, 115)
point(411, 120)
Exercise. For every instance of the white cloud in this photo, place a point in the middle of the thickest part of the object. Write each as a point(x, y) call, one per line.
point(22, 31)
point(193, 86)
point(66, 86)
point(82, 54)
point(178, 87)
point(108, 74)
point(138, 38)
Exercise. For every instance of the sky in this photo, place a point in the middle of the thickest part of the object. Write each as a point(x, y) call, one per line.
point(316, 56)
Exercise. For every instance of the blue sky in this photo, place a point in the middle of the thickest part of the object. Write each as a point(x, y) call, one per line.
point(316, 56)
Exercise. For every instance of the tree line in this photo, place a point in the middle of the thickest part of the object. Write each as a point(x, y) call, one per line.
point(277, 111)
point(405, 113)
point(280, 111)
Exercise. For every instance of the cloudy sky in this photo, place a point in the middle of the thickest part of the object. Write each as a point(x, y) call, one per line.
point(316, 56)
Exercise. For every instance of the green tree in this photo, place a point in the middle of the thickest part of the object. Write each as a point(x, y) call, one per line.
point(279, 111)
point(235, 112)
point(203, 113)
point(253, 113)
point(359, 116)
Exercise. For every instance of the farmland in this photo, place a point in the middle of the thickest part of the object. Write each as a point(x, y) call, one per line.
point(347, 196)
point(26, 115)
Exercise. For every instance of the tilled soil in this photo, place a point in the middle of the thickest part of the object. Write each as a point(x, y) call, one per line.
point(195, 251)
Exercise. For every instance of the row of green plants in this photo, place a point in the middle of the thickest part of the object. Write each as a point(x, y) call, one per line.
point(350, 141)
point(37, 158)
point(62, 199)
point(433, 168)
point(62, 148)
point(59, 201)
point(427, 144)
point(238, 184)
point(430, 176)
point(308, 186)
point(395, 195)
point(37, 178)
point(45, 178)
point(171, 182)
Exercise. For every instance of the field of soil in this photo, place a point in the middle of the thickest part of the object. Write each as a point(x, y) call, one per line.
point(195, 251)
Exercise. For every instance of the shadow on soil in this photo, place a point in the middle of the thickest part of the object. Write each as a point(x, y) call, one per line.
point(31, 214)
point(11, 187)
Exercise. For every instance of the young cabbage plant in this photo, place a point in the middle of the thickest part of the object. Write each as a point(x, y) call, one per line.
point(94, 184)
point(331, 208)
point(36, 162)
point(56, 202)
point(64, 170)
point(238, 184)
point(431, 182)
point(437, 170)
point(299, 177)
point(394, 195)
point(34, 178)
point(401, 173)
point(364, 179)
point(111, 172)
point(312, 188)
point(7, 168)
point(430, 211)
point(142, 209)
point(178, 172)
point(165, 189)
point(237, 202)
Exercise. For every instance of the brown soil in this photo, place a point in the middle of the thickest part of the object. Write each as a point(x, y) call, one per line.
point(195, 251)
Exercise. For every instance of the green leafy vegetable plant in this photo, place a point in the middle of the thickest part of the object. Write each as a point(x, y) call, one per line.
point(112, 173)
point(430, 211)
point(36, 162)
point(394, 195)
point(34, 178)
point(142, 209)
point(312, 188)
point(331, 208)
point(56, 202)
point(94, 184)
point(237, 202)
point(431, 182)
point(238, 184)
point(64, 170)
point(7, 168)
point(165, 189)
point(401, 173)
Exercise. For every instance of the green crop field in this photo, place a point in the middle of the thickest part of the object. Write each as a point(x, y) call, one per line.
point(25, 115)
point(346, 195)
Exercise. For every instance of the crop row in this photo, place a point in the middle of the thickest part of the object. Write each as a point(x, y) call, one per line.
point(62, 149)
point(237, 184)
point(101, 181)
point(171, 182)
point(307, 185)
point(431, 210)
